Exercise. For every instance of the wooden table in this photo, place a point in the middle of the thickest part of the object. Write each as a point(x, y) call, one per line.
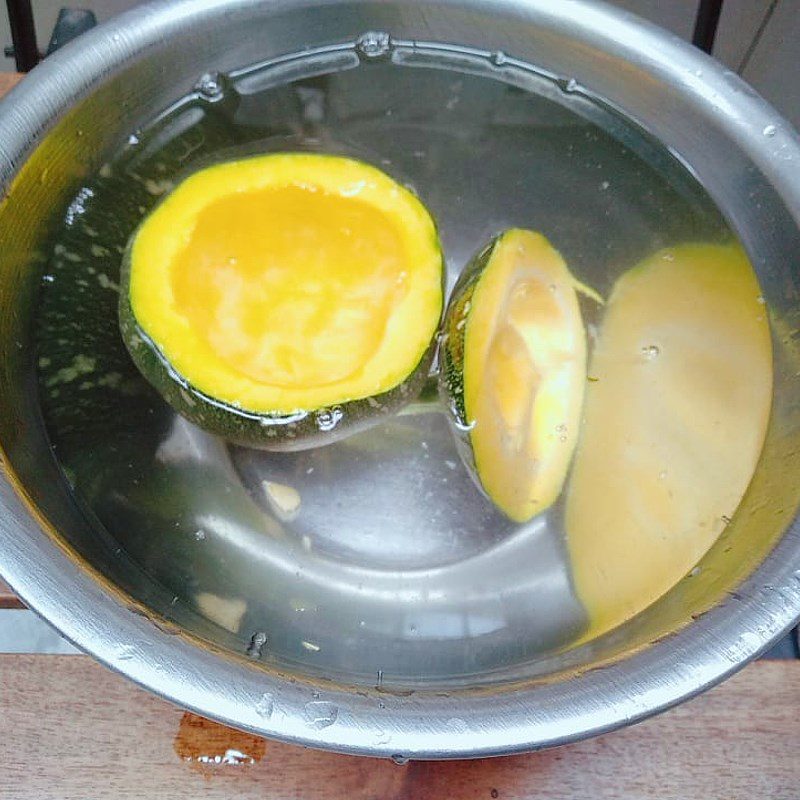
point(7, 80)
point(72, 730)
point(7, 598)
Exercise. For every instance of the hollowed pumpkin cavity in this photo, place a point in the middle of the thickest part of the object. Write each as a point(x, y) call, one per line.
point(286, 283)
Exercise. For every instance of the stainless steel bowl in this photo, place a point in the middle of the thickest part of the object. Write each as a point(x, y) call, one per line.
point(471, 691)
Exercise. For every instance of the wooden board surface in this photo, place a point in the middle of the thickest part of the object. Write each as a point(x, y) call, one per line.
point(7, 80)
point(7, 598)
point(72, 730)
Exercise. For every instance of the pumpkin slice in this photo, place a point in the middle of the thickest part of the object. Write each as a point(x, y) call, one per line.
point(514, 370)
point(676, 413)
point(279, 298)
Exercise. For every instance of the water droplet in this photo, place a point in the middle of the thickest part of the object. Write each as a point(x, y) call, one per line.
point(650, 352)
point(320, 714)
point(265, 706)
point(126, 652)
point(310, 646)
point(725, 519)
point(457, 725)
point(210, 86)
point(255, 648)
point(667, 256)
point(561, 428)
point(604, 185)
point(236, 757)
point(695, 572)
point(498, 58)
point(571, 85)
point(760, 300)
point(200, 535)
point(329, 418)
point(400, 760)
point(48, 278)
point(380, 737)
point(133, 140)
point(374, 44)
point(750, 640)
point(732, 655)
point(770, 131)
point(466, 427)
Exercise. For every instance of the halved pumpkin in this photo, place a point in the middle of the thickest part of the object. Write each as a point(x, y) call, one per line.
point(278, 297)
point(676, 413)
point(514, 370)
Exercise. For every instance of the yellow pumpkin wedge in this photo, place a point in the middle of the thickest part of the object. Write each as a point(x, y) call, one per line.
point(514, 370)
point(676, 412)
point(284, 299)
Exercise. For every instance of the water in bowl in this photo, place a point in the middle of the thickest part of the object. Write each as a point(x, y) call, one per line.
point(388, 564)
